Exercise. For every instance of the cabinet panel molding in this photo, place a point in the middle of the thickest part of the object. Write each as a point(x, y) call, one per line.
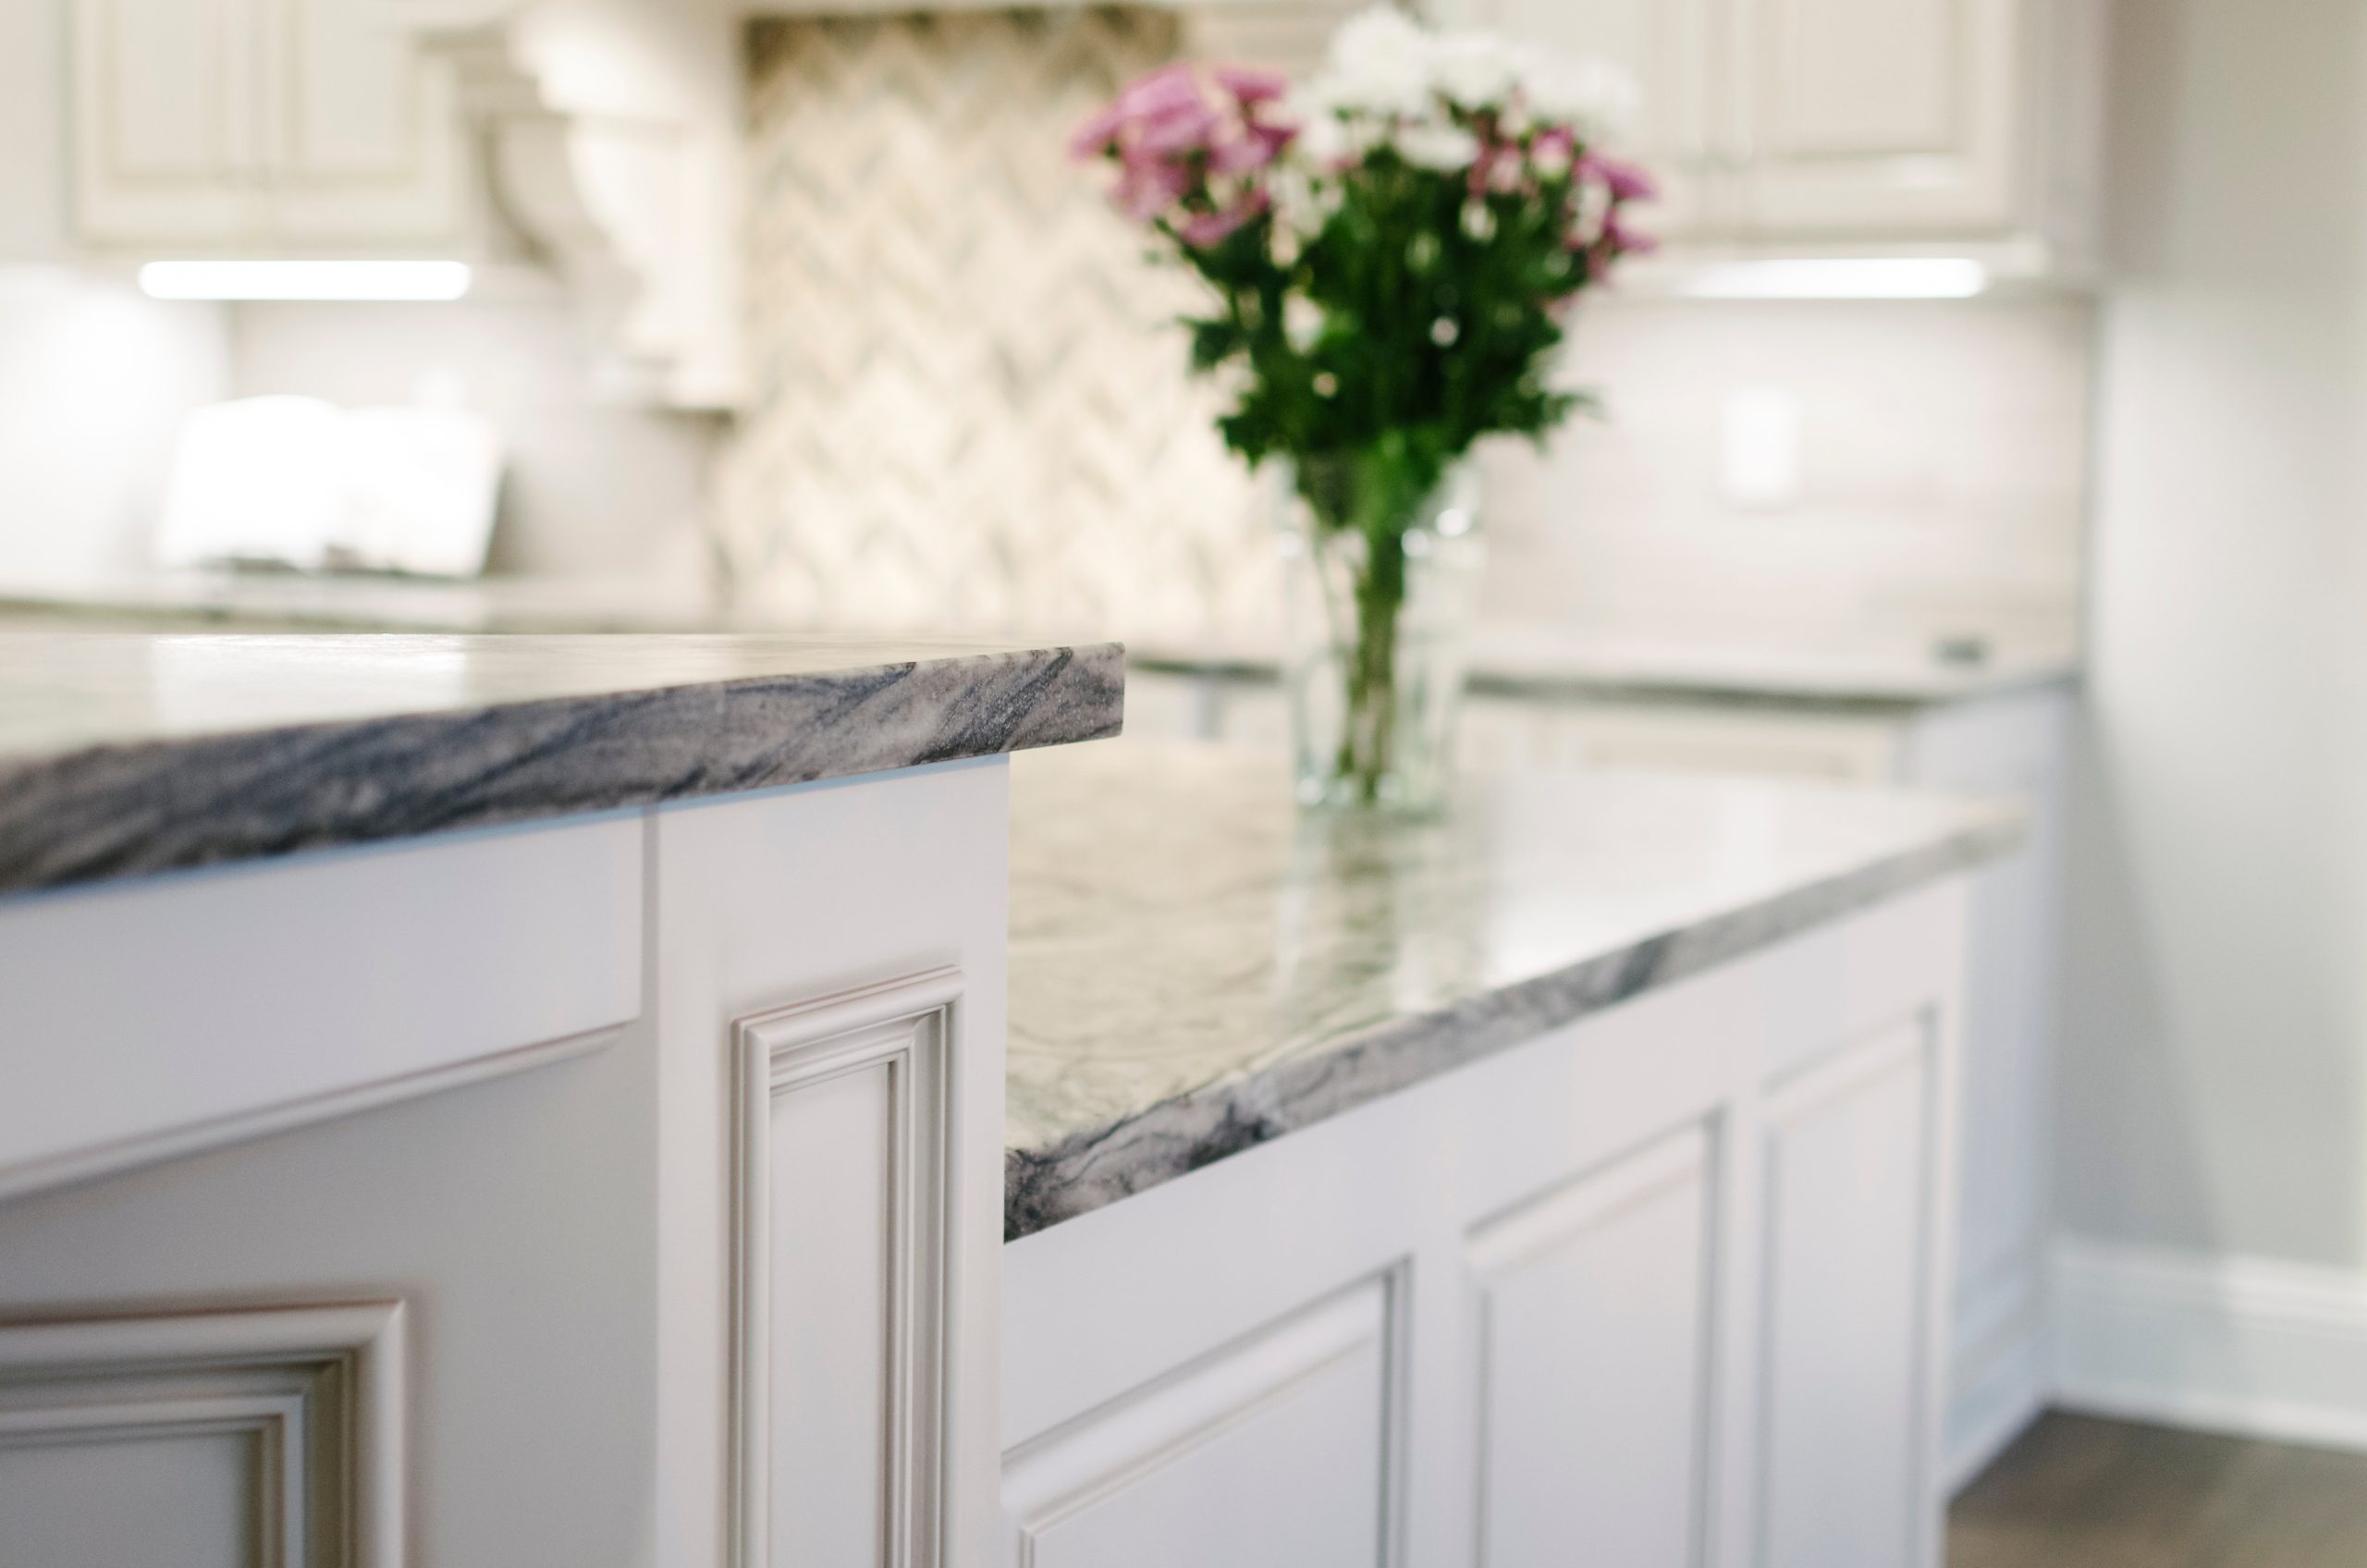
point(308, 1402)
point(839, 1303)
point(1589, 1315)
point(1310, 1403)
point(1845, 1353)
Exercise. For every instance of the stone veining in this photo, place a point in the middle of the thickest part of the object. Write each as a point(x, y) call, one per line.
point(1196, 970)
point(124, 755)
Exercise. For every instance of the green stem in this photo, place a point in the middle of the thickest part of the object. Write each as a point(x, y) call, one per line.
point(1369, 738)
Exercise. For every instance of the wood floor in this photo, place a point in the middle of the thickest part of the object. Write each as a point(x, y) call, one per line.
point(2077, 1492)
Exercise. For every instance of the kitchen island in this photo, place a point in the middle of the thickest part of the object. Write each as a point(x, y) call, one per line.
point(522, 1099)
point(506, 1099)
point(1565, 1180)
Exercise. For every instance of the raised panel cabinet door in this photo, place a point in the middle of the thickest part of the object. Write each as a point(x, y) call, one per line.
point(166, 143)
point(1669, 45)
point(1589, 1336)
point(1273, 1452)
point(364, 135)
point(1848, 1200)
point(1881, 119)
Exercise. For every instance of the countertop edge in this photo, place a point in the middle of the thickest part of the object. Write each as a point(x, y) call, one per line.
point(1092, 1169)
point(109, 810)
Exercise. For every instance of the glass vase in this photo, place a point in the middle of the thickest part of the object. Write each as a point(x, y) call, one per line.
point(1378, 611)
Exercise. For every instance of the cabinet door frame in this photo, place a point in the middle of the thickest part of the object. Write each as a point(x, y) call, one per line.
point(1968, 183)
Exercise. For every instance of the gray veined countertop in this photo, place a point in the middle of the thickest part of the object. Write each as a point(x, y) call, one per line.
point(122, 754)
point(1196, 968)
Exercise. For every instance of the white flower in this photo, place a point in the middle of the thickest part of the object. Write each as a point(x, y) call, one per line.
point(1473, 70)
point(1379, 63)
point(1324, 140)
point(1594, 95)
point(1434, 146)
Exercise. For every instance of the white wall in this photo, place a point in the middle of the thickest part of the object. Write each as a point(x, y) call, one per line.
point(94, 381)
point(1942, 471)
point(94, 378)
point(2215, 1085)
point(591, 488)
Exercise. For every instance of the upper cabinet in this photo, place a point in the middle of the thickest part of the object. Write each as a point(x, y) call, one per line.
point(1858, 126)
point(288, 125)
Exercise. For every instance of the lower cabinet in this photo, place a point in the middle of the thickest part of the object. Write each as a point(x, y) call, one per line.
point(1846, 1174)
point(1665, 1288)
point(621, 1192)
point(1591, 1319)
point(1272, 1452)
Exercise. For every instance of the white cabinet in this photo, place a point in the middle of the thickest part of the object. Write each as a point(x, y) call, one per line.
point(1590, 1316)
point(1853, 124)
point(1665, 1288)
point(1879, 118)
point(1848, 1176)
point(1271, 1452)
point(608, 1191)
point(280, 126)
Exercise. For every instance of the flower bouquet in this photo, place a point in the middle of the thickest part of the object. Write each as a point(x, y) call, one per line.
point(1391, 249)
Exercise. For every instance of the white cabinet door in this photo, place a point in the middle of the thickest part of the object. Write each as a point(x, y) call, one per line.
point(1879, 118)
point(365, 138)
point(262, 126)
point(1271, 1452)
point(1849, 1200)
point(1589, 1317)
point(166, 144)
point(1668, 44)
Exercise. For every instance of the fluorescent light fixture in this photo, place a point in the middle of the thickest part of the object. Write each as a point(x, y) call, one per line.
point(304, 280)
point(1896, 277)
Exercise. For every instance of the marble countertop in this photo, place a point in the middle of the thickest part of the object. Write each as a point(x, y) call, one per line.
point(132, 753)
point(1196, 968)
point(1899, 664)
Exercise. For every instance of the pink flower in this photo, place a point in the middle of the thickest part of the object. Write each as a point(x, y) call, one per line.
point(1188, 128)
point(1164, 90)
point(1249, 85)
point(1626, 182)
point(1257, 146)
point(1148, 187)
point(1208, 228)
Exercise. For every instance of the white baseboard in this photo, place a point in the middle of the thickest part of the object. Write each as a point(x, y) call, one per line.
point(2232, 1344)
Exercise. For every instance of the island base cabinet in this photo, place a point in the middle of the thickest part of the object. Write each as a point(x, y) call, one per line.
point(621, 1192)
point(1664, 1287)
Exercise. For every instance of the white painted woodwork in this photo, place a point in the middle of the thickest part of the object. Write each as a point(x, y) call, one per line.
point(715, 1282)
point(1883, 118)
point(253, 1439)
point(261, 127)
point(150, 1017)
point(611, 131)
point(829, 1019)
point(1848, 1206)
point(1289, 1427)
point(165, 139)
point(1589, 1248)
point(1590, 1322)
point(840, 1341)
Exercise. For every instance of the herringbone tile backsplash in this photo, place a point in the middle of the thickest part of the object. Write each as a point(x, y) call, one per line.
point(968, 413)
